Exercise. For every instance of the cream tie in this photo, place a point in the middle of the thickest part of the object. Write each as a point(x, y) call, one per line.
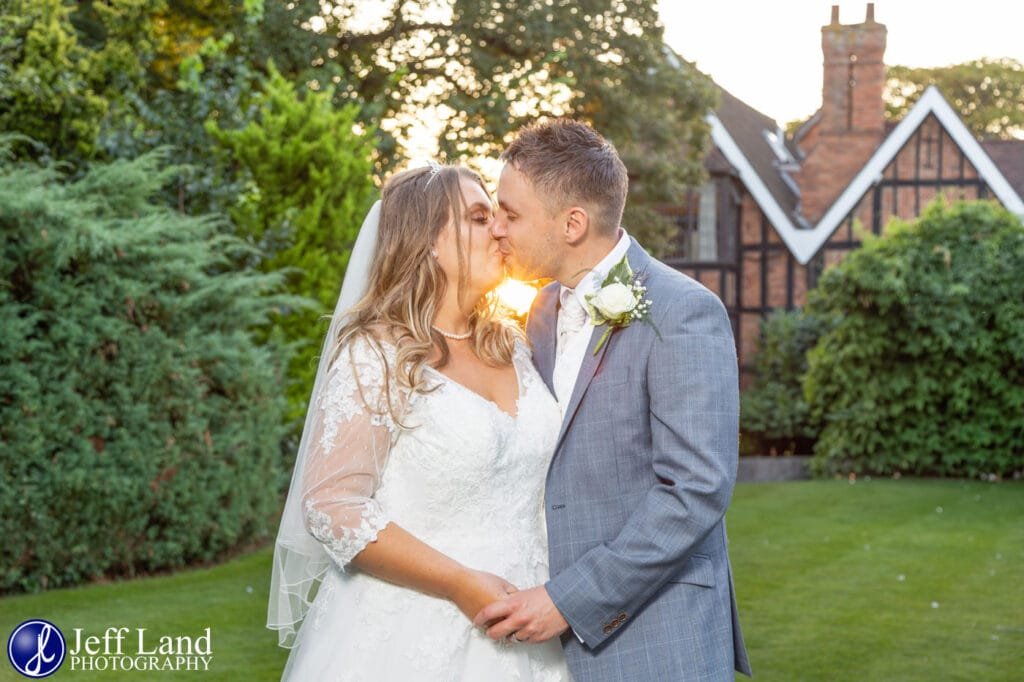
point(571, 319)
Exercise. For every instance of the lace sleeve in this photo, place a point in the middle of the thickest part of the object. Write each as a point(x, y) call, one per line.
point(352, 435)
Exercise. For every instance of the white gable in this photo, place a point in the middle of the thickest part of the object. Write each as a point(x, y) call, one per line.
point(804, 243)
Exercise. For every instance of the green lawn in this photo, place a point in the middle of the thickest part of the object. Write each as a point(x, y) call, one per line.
point(881, 580)
point(231, 599)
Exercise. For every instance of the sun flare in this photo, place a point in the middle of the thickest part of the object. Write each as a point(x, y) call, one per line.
point(516, 296)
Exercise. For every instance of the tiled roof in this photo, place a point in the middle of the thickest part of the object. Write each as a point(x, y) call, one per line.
point(747, 126)
point(1008, 156)
point(738, 131)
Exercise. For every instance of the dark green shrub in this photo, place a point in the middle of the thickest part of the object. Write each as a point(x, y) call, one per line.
point(140, 424)
point(774, 417)
point(923, 372)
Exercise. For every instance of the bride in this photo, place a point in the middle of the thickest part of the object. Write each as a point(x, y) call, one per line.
point(417, 495)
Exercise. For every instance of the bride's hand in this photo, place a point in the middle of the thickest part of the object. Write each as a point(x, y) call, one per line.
point(477, 589)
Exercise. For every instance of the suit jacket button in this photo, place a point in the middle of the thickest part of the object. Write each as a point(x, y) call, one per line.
point(607, 629)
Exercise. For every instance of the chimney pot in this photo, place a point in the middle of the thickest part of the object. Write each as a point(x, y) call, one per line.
point(835, 15)
point(871, 13)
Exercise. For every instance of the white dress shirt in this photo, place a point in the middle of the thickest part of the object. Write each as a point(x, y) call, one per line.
point(573, 333)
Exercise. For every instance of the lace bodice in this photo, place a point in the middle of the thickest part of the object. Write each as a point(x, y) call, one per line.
point(458, 472)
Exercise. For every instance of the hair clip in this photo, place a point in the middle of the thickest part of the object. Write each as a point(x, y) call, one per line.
point(435, 168)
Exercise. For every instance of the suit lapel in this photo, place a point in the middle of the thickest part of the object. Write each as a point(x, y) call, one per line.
point(639, 261)
point(542, 327)
point(587, 370)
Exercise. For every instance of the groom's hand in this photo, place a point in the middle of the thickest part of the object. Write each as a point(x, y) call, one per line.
point(530, 615)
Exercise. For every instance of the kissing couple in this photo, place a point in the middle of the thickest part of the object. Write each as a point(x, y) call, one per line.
point(472, 502)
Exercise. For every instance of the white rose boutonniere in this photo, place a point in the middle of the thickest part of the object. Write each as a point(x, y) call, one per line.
point(619, 301)
point(614, 300)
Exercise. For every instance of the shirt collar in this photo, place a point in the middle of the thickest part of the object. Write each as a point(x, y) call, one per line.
point(591, 281)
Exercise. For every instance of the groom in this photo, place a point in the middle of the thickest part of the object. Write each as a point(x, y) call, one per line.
point(644, 467)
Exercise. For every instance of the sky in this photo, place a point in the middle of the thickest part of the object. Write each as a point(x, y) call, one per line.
point(768, 53)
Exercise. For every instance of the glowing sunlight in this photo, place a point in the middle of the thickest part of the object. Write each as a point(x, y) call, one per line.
point(515, 295)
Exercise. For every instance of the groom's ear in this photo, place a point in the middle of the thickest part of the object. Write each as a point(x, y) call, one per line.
point(577, 223)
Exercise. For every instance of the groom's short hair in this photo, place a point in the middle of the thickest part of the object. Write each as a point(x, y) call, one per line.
point(569, 163)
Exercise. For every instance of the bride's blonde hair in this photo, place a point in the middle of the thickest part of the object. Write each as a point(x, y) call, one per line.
point(406, 283)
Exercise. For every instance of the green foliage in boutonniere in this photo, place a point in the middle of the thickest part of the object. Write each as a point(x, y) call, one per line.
point(620, 300)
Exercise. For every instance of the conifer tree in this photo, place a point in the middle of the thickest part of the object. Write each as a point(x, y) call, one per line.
point(140, 422)
point(309, 183)
point(46, 89)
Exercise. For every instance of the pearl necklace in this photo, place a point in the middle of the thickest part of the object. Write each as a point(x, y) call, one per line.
point(456, 337)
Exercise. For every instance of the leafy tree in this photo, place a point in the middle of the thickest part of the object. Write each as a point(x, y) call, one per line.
point(114, 79)
point(139, 420)
point(988, 93)
point(308, 184)
point(149, 40)
point(214, 84)
point(486, 67)
point(922, 368)
point(206, 61)
point(262, 30)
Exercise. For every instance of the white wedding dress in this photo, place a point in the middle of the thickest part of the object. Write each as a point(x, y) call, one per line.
point(464, 477)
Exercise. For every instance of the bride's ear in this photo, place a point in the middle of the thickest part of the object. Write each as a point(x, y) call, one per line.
point(577, 223)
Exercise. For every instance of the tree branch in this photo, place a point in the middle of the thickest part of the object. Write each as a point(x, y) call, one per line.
point(397, 30)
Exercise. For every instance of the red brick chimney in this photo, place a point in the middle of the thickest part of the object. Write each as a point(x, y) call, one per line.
point(852, 122)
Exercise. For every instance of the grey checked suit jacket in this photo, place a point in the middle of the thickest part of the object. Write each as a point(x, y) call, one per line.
point(638, 487)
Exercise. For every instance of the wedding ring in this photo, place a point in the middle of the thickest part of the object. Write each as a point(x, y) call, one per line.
point(515, 639)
